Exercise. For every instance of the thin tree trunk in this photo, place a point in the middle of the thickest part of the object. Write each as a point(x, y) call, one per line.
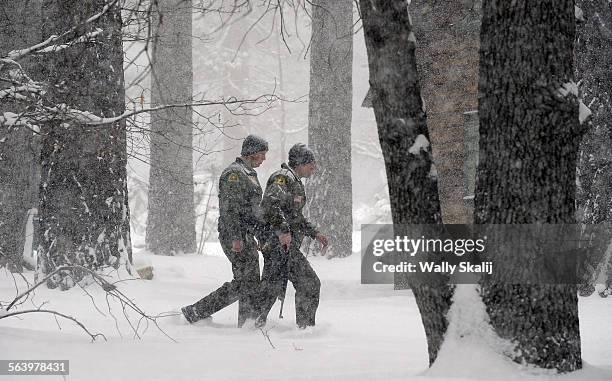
point(20, 27)
point(236, 45)
point(329, 122)
point(404, 139)
point(171, 218)
point(529, 138)
point(84, 211)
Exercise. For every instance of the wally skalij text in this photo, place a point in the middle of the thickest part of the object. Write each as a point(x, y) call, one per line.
point(443, 267)
point(528, 253)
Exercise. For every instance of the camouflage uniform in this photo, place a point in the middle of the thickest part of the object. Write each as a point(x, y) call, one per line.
point(240, 218)
point(282, 203)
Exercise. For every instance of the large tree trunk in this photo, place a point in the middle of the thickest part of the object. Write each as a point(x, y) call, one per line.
point(20, 27)
point(404, 139)
point(593, 62)
point(529, 137)
point(329, 121)
point(447, 34)
point(171, 219)
point(84, 205)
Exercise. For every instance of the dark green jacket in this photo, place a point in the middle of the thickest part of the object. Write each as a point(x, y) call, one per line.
point(240, 194)
point(282, 205)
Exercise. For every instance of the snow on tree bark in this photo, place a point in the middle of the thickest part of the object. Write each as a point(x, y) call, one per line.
point(329, 122)
point(404, 139)
point(19, 147)
point(529, 140)
point(171, 218)
point(84, 214)
point(593, 56)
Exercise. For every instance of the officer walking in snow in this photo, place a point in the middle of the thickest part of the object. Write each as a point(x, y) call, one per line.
point(282, 205)
point(240, 221)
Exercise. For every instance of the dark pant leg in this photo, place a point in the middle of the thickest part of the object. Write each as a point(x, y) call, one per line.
point(307, 289)
point(245, 266)
point(271, 282)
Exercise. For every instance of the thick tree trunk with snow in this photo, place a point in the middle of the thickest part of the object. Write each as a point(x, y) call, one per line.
point(447, 34)
point(529, 140)
point(20, 27)
point(329, 122)
point(593, 62)
point(171, 219)
point(84, 205)
point(404, 139)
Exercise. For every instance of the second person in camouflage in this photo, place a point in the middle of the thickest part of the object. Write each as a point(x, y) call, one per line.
point(282, 205)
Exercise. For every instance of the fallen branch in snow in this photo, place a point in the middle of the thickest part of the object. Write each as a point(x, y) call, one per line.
point(127, 305)
point(267, 336)
point(13, 274)
point(111, 291)
point(30, 290)
point(4, 314)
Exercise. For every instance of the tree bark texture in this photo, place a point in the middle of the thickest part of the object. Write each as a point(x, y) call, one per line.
point(404, 139)
point(171, 219)
point(329, 122)
point(529, 140)
point(447, 34)
point(84, 213)
point(20, 27)
point(593, 61)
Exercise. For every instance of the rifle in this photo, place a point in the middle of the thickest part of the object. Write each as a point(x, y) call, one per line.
point(284, 266)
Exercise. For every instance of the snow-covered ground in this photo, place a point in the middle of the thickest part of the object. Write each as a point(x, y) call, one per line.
point(363, 332)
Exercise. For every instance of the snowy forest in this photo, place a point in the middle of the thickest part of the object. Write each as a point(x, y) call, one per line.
point(119, 122)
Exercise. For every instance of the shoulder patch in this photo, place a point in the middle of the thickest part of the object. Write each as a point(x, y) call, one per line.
point(232, 177)
point(281, 180)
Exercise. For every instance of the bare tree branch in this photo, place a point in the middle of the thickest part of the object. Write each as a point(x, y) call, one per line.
point(92, 335)
point(18, 54)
